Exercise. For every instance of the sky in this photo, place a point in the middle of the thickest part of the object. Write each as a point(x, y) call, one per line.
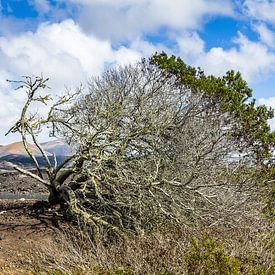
point(70, 41)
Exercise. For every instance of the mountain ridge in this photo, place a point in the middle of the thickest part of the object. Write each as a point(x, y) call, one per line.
point(57, 147)
point(15, 153)
point(17, 148)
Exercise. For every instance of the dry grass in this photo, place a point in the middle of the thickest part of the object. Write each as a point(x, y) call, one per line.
point(161, 252)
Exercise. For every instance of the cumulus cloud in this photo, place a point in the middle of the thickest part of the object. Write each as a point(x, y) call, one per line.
point(263, 10)
point(65, 53)
point(267, 101)
point(191, 46)
point(70, 52)
point(61, 51)
point(267, 36)
point(252, 58)
point(125, 19)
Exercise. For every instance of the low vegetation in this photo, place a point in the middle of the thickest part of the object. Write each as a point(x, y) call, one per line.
point(159, 146)
point(167, 251)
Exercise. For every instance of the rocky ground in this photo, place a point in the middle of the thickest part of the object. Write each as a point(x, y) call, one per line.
point(14, 182)
point(22, 224)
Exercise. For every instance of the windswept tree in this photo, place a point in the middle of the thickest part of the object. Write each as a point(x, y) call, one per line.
point(157, 142)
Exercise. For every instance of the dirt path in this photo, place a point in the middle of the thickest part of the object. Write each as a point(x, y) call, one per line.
point(20, 229)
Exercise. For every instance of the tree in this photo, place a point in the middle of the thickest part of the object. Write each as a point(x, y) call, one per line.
point(158, 142)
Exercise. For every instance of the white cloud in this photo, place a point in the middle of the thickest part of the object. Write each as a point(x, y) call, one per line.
point(108, 2)
point(266, 35)
point(68, 55)
point(272, 124)
point(191, 46)
point(10, 25)
point(62, 52)
point(125, 19)
point(253, 59)
point(267, 101)
point(263, 10)
point(147, 48)
point(42, 6)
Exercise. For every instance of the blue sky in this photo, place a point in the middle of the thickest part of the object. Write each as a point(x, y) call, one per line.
point(72, 40)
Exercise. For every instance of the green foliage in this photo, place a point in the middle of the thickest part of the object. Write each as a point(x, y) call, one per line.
point(229, 93)
point(206, 256)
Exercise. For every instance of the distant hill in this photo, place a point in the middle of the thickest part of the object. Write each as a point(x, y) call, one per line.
point(26, 161)
point(15, 153)
point(58, 147)
point(17, 148)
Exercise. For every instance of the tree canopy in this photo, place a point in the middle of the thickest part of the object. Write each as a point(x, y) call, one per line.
point(157, 142)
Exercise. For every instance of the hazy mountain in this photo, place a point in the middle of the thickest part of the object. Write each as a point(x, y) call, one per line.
point(58, 147)
point(26, 161)
point(15, 153)
point(17, 148)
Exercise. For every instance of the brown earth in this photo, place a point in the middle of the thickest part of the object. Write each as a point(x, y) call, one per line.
point(20, 183)
point(22, 224)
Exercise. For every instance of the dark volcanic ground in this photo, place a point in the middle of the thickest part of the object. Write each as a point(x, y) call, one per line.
point(22, 223)
point(11, 182)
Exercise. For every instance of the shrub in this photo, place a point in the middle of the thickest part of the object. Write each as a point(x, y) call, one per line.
point(206, 256)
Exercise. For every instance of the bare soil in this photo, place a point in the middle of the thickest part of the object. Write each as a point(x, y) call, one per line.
point(22, 224)
point(20, 183)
